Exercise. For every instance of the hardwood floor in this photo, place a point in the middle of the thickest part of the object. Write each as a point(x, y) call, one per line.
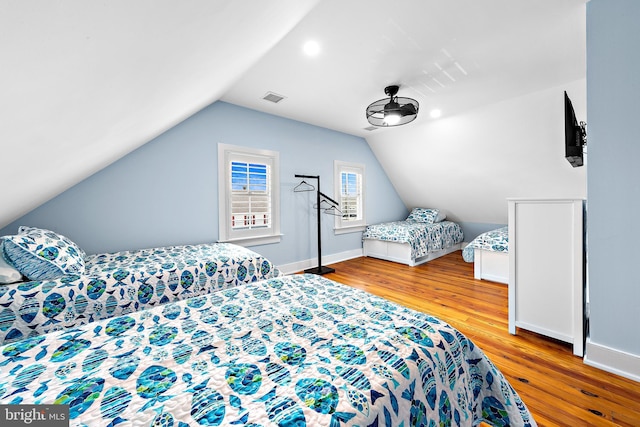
point(558, 388)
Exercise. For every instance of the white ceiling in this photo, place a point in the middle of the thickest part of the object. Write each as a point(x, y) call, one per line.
point(452, 55)
point(84, 82)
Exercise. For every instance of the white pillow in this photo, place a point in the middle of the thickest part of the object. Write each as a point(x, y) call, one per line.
point(8, 274)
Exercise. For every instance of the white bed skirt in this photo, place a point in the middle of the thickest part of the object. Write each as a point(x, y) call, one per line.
point(491, 265)
point(400, 252)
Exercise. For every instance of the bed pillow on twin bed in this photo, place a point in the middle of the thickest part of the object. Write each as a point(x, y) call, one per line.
point(428, 216)
point(24, 229)
point(42, 254)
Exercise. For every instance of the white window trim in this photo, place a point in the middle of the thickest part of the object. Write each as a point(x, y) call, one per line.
point(339, 167)
point(253, 237)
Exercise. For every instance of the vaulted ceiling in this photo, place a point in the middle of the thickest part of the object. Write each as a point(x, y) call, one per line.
point(85, 82)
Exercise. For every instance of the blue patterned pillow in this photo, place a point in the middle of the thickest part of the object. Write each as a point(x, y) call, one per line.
point(42, 254)
point(23, 229)
point(428, 216)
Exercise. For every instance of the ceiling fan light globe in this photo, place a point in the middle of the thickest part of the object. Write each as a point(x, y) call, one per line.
point(392, 118)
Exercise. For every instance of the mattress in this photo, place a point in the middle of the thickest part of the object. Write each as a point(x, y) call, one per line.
point(123, 282)
point(423, 238)
point(494, 240)
point(294, 350)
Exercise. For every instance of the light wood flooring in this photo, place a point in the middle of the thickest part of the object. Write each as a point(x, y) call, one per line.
point(558, 388)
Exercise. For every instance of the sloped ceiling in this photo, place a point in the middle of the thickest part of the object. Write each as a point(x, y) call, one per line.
point(85, 82)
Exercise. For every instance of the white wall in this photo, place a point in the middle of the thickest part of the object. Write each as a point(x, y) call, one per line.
point(470, 163)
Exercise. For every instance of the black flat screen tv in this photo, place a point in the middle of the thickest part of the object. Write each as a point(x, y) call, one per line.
point(574, 135)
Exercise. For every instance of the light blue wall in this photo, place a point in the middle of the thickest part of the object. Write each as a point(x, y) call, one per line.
point(613, 175)
point(166, 192)
point(472, 230)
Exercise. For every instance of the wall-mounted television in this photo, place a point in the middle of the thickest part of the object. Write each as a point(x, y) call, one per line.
point(575, 135)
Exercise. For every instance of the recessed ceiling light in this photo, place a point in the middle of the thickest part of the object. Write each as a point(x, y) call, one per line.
point(311, 48)
point(435, 113)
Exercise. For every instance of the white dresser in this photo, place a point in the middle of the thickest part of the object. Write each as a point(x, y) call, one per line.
point(546, 268)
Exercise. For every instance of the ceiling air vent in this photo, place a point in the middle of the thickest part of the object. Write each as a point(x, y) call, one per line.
point(273, 97)
point(370, 128)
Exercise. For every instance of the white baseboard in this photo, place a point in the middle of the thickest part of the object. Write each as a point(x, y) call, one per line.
point(611, 360)
point(298, 266)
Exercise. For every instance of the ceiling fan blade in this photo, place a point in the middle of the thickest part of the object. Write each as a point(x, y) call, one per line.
point(408, 109)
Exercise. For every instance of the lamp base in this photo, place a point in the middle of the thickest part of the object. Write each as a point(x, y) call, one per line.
point(320, 270)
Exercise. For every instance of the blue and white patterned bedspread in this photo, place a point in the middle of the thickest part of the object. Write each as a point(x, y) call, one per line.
point(423, 238)
point(123, 282)
point(494, 240)
point(297, 350)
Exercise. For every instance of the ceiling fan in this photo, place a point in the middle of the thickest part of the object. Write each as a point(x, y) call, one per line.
point(392, 111)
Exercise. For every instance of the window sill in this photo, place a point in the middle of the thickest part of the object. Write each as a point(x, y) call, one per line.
point(353, 229)
point(254, 241)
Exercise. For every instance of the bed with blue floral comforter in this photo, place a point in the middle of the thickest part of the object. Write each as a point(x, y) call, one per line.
point(123, 282)
point(494, 240)
point(295, 350)
point(423, 238)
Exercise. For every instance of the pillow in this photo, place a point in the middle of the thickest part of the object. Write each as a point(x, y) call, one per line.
point(8, 274)
point(43, 254)
point(23, 229)
point(428, 216)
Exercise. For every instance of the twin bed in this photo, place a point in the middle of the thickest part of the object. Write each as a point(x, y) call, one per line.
point(85, 288)
point(489, 253)
point(423, 236)
point(286, 350)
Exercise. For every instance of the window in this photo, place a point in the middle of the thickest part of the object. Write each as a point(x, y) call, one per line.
point(248, 195)
point(349, 182)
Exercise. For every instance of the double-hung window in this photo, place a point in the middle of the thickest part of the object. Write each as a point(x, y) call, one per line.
point(248, 195)
point(349, 187)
